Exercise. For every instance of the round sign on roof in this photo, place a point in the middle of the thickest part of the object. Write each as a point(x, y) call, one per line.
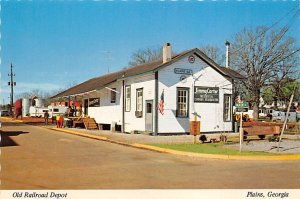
point(191, 59)
point(183, 78)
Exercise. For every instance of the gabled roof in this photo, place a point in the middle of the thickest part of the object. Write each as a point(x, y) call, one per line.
point(90, 85)
point(100, 82)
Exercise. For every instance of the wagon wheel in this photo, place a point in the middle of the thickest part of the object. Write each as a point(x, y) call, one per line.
point(275, 137)
point(237, 117)
point(261, 136)
point(202, 138)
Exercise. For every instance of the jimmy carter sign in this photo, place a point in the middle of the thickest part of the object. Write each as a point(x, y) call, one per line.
point(206, 94)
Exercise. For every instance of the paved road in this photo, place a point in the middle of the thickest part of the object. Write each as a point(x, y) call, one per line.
point(37, 158)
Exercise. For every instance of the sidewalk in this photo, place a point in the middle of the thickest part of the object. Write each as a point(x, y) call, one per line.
point(140, 138)
point(148, 139)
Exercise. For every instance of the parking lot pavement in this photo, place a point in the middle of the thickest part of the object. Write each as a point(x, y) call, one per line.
point(39, 158)
point(290, 143)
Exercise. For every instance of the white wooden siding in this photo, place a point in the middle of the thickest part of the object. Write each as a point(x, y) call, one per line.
point(211, 114)
point(132, 123)
point(108, 112)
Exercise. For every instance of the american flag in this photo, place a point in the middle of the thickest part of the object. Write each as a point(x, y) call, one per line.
point(161, 103)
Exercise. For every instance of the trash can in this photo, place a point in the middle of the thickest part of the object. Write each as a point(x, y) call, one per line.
point(65, 123)
point(68, 122)
point(235, 127)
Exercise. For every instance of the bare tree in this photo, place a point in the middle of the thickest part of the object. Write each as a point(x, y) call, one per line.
point(148, 55)
point(260, 54)
point(145, 56)
point(214, 53)
point(32, 93)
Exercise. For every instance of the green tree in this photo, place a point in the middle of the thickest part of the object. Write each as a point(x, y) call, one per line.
point(291, 87)
point(268, 95)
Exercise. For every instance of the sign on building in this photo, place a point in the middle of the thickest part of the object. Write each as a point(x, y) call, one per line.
point(183, 71)
point(94, 102)
point(206, 94)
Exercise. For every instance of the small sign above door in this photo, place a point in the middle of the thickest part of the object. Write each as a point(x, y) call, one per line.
point(94, 102)
point(183, 71)
point(191, 59)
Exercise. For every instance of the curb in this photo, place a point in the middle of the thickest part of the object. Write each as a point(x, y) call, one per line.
point(214, 156)
point(182, 153)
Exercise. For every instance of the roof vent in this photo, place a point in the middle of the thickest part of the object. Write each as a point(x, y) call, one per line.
point(167, 52)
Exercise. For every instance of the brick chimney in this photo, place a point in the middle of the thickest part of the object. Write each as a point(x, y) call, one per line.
point(227, 54)
point(167, 52)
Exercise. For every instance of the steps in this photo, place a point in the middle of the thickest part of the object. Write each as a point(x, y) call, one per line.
point(89, 123)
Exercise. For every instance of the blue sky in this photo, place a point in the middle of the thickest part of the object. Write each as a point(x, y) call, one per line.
point(55, 44)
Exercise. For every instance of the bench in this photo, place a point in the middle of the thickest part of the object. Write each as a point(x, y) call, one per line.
point(260, 131)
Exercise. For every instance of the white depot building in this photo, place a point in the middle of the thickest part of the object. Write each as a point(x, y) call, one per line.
point(162, 96)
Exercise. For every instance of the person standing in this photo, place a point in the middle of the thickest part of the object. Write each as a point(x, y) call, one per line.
point(46, 116)
point(80, 111)
point(68, 112)
point(57, 121)
point(71, 111)
point(75, 111)
point(61, 120)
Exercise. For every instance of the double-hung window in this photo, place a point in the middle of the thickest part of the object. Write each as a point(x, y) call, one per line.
point(113, 95)
point(127, 98)
point(227, 108)
point(182, 102)
point(139, 102)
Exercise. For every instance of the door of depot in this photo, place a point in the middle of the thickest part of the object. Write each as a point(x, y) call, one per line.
point(86, 105)
point(149, 116)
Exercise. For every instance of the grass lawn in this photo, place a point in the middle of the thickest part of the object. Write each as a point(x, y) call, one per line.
point(210, 148)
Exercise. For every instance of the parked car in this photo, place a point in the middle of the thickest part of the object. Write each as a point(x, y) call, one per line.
point(280, 116)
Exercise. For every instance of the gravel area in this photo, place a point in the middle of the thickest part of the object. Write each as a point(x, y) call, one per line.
point(286, 146)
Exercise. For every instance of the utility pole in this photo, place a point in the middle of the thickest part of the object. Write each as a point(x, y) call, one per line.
point(12, 84)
